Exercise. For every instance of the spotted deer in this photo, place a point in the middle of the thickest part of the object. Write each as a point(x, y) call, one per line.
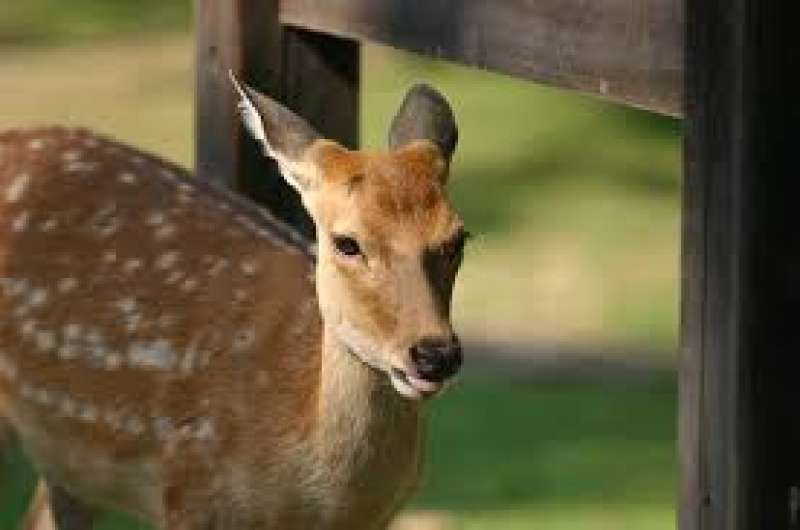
point(173, 351)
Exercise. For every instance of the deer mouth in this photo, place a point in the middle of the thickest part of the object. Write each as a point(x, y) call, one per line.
point(413, 387)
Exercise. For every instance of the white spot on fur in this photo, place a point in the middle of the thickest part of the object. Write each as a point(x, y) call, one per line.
point(68, 407)
point(113, 361)
point(20, 222)
point(109, 256)
point(189, 285)
point(219, 265)
point(72, 331)
point(38, 297)
point(200, 349)
point(36, 144)
point(173, 277)
point(126, 305)
point(87, 412)
point(132, 265)
point(168, 174)
point(134, 425)
point(157, 354)
point(203, 429)
point(28, 327)
point(13, 286)
point(163, 427)
point(130, 317)
point(45, 340)
point(17, 188)
point(105, 221)
point(66, 285)
point(165, 231)
point(70, 155)
point(67, 351)
point(80, 167)
point(184, 198)
point(43, 397)
point(132, 321)
point(93, 336)
point(128, 177)
point(49, 224)
point(249, 267)
point(155, 218)
point(167, 260)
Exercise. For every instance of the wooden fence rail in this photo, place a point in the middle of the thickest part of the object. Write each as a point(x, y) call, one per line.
point(624, 50)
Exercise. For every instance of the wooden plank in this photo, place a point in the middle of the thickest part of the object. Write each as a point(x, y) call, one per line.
point(624, 50)
point(738, 428)
point(242, 36)
point(317, 76)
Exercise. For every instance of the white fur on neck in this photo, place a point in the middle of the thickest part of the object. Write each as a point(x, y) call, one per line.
point(358, 344)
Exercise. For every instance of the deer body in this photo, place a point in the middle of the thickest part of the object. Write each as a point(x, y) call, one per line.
point(164, 350)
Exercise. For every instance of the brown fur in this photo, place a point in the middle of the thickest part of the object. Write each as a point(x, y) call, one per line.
point(249, 412)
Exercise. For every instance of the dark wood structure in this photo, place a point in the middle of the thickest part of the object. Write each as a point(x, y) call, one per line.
point(721, 64)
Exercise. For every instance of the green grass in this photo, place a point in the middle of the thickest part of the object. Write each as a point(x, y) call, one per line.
point(40, 22)
point(544, 455)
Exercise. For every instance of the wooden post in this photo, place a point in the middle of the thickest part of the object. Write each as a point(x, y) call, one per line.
point(315, 75)
point(740, 369)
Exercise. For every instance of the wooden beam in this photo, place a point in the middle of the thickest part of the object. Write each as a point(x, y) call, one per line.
point(315, 75)
point(738, 425)
point(623, 50)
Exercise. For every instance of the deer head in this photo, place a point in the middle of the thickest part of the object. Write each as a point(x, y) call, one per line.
point(389, 241)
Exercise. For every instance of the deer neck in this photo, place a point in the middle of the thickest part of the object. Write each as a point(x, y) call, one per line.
point(356, 401)
point(367, 435)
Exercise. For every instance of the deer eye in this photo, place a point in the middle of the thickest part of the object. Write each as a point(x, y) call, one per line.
point(346, 245)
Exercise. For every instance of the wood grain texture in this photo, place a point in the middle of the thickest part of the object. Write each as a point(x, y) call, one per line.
point(316, 76)
point(623, 50)
point(738, 428)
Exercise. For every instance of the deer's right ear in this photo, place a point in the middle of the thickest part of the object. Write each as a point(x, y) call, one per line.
point(283, 135)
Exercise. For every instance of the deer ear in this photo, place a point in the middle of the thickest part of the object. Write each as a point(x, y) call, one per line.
point(425, 114)
point(283, 135)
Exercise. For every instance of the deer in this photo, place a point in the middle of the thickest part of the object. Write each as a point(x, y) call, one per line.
point(171, 350)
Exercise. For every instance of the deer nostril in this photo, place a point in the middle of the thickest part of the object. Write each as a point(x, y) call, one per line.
point(436, 359)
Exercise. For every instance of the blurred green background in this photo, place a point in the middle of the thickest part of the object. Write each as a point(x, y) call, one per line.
point(565, 418)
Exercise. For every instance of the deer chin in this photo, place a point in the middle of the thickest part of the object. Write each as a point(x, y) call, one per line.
point(412, 387)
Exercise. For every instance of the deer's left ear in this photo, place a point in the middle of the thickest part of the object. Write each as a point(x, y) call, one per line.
point(425, 114)
point(283, 135)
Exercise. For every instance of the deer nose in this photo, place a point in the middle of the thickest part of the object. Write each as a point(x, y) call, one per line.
point(436, 359)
